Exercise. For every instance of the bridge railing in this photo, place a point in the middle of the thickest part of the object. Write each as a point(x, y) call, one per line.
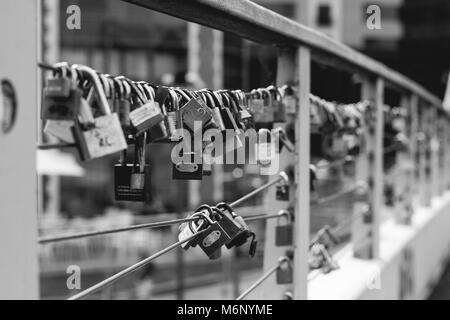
point(427, 154)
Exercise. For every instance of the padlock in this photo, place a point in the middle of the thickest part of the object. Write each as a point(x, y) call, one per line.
point(289, 100)
point(325, 237)
point(195, 110)
point(282, 192)
point(146, 113)
point(174, 118)
point(232, 228)
point(320, 258)
point(187, 171)
point(279, 110)
point(266, 148)
point(244, 114)
point(261, 109)
point(207, 164)
point(158, 133)
point(244, 233)
point(62, 129)
point(133, 181)
point(233, 104)
point(215, 109)
point(60, 84)
point(123, 105)
point(223, 100)
point(281, 139)
point(231, 132)
point(284, 234)
point(213, 238)
point(285, 274)
point(62, 97)
point(189, 229)
point(103, 136)
point(170, 129)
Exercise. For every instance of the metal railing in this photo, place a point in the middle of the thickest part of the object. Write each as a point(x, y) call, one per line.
point(298, 45)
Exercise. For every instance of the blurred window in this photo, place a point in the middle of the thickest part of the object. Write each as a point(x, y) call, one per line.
point(324, 16)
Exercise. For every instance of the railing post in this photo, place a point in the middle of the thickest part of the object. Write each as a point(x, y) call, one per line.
point(422, 156)
point(403, 180)
point(447, 153)
point(434, 151)
point(286, 74)
point(428, 154)
point(302, 162)
point(20, 95)
point(413, 128)
point(365, 231)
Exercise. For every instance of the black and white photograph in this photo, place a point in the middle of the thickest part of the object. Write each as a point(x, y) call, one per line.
point(224, 154)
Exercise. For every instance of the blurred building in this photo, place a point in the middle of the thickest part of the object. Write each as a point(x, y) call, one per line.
point(425, 47)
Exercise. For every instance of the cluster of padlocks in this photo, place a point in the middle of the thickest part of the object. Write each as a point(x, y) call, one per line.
point(102, 115)
point(218, 226)
point(213, 227)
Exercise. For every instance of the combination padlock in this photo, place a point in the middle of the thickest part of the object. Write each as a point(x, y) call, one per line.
point(284, 233)
point(213, 238)
point(285, 274)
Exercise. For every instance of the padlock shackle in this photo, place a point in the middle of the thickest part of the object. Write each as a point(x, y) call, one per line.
point(63, 68)
point(182, 94)
point(277, 92)
point(175, 101)
point(287, 214)
point(285, 178)
point(228, 208)
point(283, 260)
point(267, 92)
point(98, 87)
point(105, 85)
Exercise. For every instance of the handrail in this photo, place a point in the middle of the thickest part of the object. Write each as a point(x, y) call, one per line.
point(254, 22)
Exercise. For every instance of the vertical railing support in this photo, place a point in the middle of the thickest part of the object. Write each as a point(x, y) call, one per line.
point(19, 94)
point(422, 156)
point(365, 231)
point(412, 132)
point(302, 162)
point(405, 168)
point(293, 69)
point(434, 151)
